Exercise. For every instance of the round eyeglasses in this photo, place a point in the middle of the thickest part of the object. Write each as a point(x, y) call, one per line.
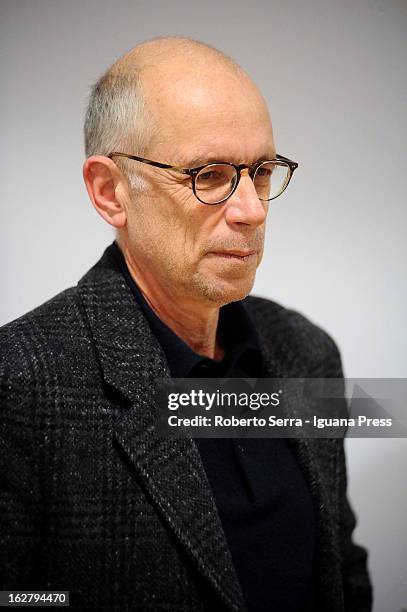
point(214, 183)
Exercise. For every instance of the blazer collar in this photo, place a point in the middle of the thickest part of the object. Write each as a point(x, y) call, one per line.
point(131, 361)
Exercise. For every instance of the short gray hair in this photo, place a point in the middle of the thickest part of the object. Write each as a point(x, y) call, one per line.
point(117, 118)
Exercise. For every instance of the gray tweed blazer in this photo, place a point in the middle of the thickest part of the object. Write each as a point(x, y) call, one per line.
point(94, 501)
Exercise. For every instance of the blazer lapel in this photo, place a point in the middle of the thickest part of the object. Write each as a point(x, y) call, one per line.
point(170, 469)
point(305, 451)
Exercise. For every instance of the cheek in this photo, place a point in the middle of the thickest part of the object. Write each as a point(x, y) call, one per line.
point(146, 227)
point(186, 222)
point(161, 238)
point(170, 224)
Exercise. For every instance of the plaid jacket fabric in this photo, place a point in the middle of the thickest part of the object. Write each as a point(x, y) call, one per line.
point(94, 501)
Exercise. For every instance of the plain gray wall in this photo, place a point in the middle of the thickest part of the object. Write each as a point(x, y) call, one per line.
point(334, 76)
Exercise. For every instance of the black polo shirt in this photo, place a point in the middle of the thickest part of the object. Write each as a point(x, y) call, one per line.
point(262, 498)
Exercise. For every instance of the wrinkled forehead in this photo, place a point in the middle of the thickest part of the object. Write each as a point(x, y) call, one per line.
point(208, 109)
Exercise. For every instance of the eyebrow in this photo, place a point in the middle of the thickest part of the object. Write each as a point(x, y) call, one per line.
point(204, 160)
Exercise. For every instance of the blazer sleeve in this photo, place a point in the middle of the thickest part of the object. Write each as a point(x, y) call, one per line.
point(356, 582)
point(357, 585)
point(21, 515)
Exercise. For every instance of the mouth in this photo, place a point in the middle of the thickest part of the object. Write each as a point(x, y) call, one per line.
point(235, 255)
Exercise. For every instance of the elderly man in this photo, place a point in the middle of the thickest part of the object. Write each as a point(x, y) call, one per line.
point(181, 161)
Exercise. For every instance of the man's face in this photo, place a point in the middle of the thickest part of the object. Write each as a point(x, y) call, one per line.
point(195, 252)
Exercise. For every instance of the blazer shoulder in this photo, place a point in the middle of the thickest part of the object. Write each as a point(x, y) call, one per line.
point(293, 336)
point(38, 336)
point(55, 308)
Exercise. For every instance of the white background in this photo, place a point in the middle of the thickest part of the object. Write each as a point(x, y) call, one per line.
point(333, 73)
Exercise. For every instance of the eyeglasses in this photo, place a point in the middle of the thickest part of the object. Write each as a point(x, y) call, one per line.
point(215, 182)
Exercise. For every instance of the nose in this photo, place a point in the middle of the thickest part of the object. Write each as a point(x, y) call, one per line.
point(244, 206)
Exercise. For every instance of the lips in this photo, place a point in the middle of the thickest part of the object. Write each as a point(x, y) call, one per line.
point(235, 254)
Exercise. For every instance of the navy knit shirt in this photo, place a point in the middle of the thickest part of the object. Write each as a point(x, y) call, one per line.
point(260, 493)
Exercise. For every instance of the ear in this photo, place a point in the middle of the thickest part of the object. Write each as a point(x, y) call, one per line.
point(106, 189)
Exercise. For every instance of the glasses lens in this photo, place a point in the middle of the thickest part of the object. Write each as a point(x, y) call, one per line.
point(215, 182)
point(270, 179)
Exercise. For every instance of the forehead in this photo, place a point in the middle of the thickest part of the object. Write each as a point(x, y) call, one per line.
point(209, 112)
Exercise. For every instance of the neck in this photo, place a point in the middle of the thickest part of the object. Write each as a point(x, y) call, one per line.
point(195, 323)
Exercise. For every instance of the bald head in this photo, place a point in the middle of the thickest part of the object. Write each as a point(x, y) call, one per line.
point(148, 96)
point(164, 50)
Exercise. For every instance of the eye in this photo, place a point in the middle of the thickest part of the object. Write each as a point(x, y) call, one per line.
point(264, 171)
point(209, 175)
point(214, 176)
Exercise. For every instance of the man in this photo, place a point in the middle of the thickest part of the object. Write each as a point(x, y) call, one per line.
point(181, 161)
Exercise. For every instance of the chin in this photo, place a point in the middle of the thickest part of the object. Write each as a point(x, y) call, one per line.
point(222, 292)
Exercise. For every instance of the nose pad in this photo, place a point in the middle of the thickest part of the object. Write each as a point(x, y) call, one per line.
point(246, 173)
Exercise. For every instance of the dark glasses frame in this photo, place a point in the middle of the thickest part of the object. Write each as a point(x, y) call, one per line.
point(193, 172)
